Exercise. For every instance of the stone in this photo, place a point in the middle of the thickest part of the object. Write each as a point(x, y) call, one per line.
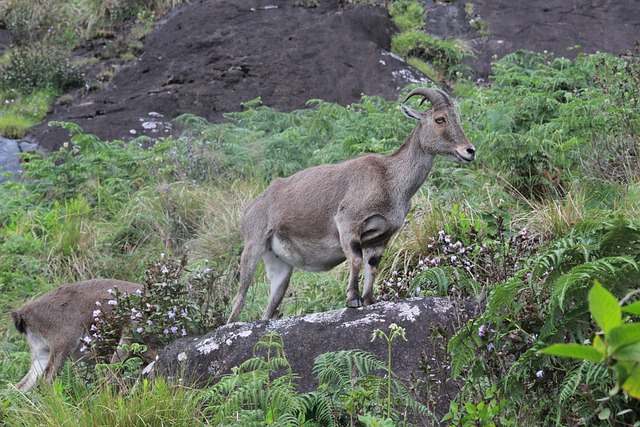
point(9, 160)
point(205, 358)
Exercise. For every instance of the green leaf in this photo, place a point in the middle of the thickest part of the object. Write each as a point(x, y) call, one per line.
point(632, 308)
point(632, 384)
point(628, 353)
point(599, 345)
point(604, 308)
point(576, 351)
point(623, 335)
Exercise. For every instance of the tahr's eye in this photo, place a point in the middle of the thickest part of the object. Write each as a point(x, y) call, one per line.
point(440, 120)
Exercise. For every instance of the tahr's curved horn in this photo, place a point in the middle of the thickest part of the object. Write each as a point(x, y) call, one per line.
point(437, 97)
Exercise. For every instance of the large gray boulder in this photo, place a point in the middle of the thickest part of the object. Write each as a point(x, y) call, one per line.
point(206, 358)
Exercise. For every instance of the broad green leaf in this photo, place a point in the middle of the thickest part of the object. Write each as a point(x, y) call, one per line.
point(599, 345)
point(628, 353)
point(623, 335)
point(604, 308)
point(577, 351)
point(632, 384)
point(632, 308)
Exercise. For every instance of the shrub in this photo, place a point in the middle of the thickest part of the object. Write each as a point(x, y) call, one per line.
point(39, 67)
point(166, 309)
point(545, 303)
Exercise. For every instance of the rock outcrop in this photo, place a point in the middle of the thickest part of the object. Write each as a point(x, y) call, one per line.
point(209, 57)
point(426, 321)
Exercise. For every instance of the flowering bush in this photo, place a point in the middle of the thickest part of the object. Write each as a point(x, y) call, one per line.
point(478, 258)
point(164, 310)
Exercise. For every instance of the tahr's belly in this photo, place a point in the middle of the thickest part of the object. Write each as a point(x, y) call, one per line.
point(309, 255)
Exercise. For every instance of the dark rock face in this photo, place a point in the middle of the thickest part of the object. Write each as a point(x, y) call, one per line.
point(538, 25)
point(209, 57)
point(206, 358)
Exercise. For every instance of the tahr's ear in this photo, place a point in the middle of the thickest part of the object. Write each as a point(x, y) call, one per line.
point(410, 112)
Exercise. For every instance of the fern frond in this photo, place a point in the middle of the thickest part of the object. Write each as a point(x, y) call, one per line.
point(338, 367)
point(623, 238)
point(581, 275)
point(317, 404)
point(252, 365)
point(571, 382)
point(501, 297)
point(435, 278)
point(564, 254)
point(462, 348)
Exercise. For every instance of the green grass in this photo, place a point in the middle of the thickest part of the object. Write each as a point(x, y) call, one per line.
point(20, 112)
point(445, 55)
point(70, 403)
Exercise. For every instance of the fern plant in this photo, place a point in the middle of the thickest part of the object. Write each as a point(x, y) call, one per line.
point(262, 391)
point(543, 303)
point(255, 394)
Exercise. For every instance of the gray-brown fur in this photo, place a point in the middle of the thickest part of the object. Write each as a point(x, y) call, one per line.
point(324, 215)
point(55, 323)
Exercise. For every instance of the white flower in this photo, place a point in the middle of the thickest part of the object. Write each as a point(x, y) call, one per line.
point(539, 373)
point(96, 313)
point(112, 302)
point(86, 339)
point(482, 330)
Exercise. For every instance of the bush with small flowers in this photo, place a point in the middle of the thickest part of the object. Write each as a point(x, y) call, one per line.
point(164, 310)
point(488, 257)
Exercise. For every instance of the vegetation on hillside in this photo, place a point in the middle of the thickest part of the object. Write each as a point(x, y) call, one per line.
point(546, 217)
point(550, 206)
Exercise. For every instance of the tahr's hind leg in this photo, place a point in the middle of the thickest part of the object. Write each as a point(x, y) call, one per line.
point(279, 274)
point(249, 261)
point(40, 359)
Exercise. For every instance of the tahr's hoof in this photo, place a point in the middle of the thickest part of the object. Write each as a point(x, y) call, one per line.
point(367, 301)
point(354, 302)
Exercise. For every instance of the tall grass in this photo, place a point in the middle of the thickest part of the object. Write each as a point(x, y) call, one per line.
point(71, 403)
